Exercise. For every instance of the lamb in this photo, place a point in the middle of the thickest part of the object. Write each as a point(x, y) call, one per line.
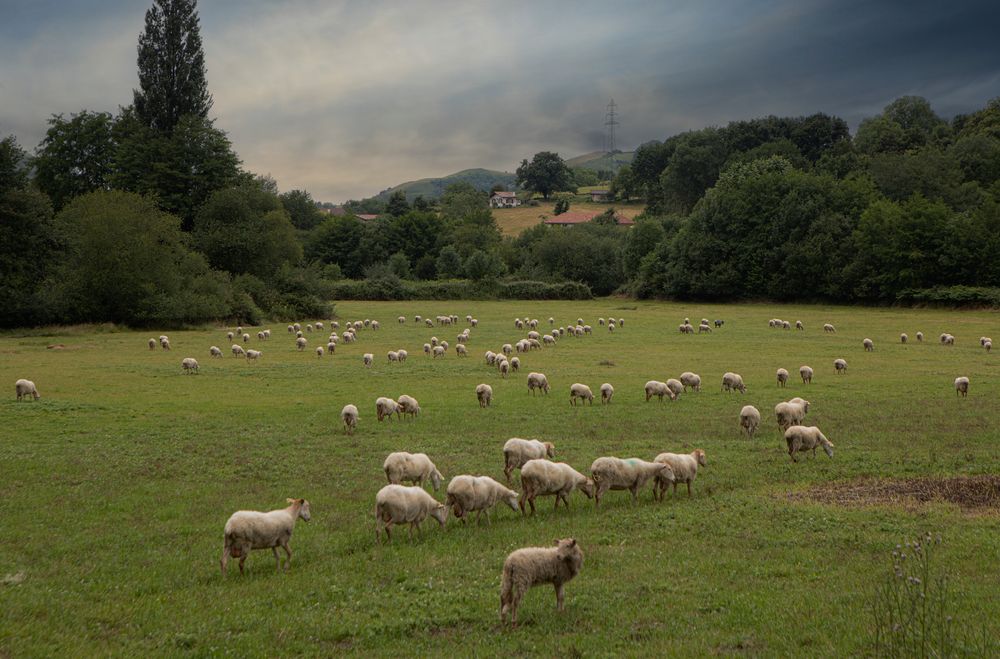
point(189, 365)
point(538, 381)
point(581, 391)
point(607, 392)
point(467, 494)
point(253, 355)
point(840, 365)
point(484, 393)
point(152, 344)
point(515, 364)
point(24, 388)
point(675, 386)
point(684, 469)
point(790, 413)
point(532, 566)
point(247, 530)
point(749, 420)
point(413, 467)
point(517, 452)
point(214, 351)
point(658, 389)
point(237, 350)
point(630, 474)
point(368, 359)
point(829, 328)
point(807, 374)
point(408, 405)
point(731, 381)
point(782, 375)
point(903, 338)
point(300, 343)
point(689, 379)
point(869, 345)
point(398, 504)
point(961, 386)
point(802, 438)
point(386, 407)
point(542, 477)
point(350, 417)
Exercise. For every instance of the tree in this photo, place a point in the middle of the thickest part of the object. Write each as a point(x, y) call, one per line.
point(76, 156)
point(694, 167)
point(562, 205)
point(301, 208)
point(482, 265)
point(339, 240)
point(399, 265)
point(397, 206)
point(171, 66)
point(545, 174)
point(623, 185)
point(28, 247)
point(13, 165)
point(449, 263)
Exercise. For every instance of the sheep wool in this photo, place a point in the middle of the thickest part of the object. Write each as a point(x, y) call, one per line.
point(247, 530)
point(533, 566)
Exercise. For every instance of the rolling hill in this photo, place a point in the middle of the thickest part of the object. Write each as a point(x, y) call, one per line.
point(433, 188)
point(601, 160)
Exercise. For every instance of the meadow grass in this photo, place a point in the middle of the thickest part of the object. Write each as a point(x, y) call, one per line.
point(512, 221)
point(116, 486)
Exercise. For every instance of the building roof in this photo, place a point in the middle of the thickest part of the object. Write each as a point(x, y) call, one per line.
point(581, 217)
point(367, 217)
point(501, 193)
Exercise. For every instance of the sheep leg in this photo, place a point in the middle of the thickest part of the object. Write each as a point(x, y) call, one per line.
point(243, 558)
point(288, 551)
point(532, 502)
point(689, 488)
point(225, 559)
point(635, 493)
point(277, 559)
point(559, 597)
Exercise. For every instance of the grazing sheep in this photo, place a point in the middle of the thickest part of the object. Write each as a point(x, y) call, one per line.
point(607, 392)
point(474, 322)
point(903, 338)
point(298, 335)
point(401, 320)
point(542, 477)
point(719, 323)
point(165, 343)
point(829, 328)
point(350, 417)
point(548, 340)
point(988, 345)
point(684, 469)
point(689, 379)
point(798, 325)
point(704, 328)
point(408, 405)
point(467, 494)
point(675, 386)
point(962, 386)
point(507, 349)
point(237, 350)
point(630, 474)
point(247, 530)
point(438, 351)
point(189, 365)
point(920, 337)
point(385, 408)
point(331, 347)
point(484, 393)
point(260, 336)
point(948, 340)
point(267, 334)
point(253, 355)
point(658, 389)
point(152, 344)
point(749, 420)
point(461, 351)
point(731, 381)
point(300, 343)
point(517, 452)
point(444, 344)
point(686, 329)
point(393, 356)
point(538, 381)
point(291, 328)
point(246, 338)
point(214, 351)
point(239, 330)
point(402, 355)
point(413, 467)
point(491, 358)
point(368, 359)
point(398, 504)
point(417, 319)
point(782, 375)
point(581, 391)
point(868, 344)
point(376, 325)
point(295, 326)
point(504, 368)
point(791, 413)
point(515, 364)
point(24, 388)
point(807, 374)
point(802, 438)
point(229, 335)
point(840, 365)
point(319, 351)
point(533, 566)
point(427, 348)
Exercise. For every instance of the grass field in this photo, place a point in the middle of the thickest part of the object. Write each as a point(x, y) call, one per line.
point(512, 221)
point(116, 486)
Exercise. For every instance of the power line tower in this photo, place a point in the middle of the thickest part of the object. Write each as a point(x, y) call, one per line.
point(610, 121)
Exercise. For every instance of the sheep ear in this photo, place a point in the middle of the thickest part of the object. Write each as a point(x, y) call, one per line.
point(572, 542)
point(302, 500)
point(289, 500)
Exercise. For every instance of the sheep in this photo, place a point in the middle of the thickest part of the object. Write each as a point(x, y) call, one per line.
point(829, 328)
point(237, 350)
point(988, 345)
point(686, 329)
point(621, 322)
point(444, 344)
point(542, 477)
point(260, 336)
point(408, 405)
point(507, 349)
point(802, 438)
point(350, 417)
point(291, 328)
point(947, 339)
point(782, 375)
point(214, 351)
point(295, 326)
point(461, 351)
point(719, 323)
point(538, 381)
point(165, 343)
point(385, 408)
point(840, 365)
point(331, 347)
point(152, 344)
point(675, 386)
point(689, 379)
point(246, 338)
point(417, 319)
point(239, 330)
point(731, 381)
point(532, 566)
point(427, 348)
point(504, 367)
point(392, 356)
point(920, 337)
point(253, 355)
point(398, 504)
point(438, 351)
point(581, 391)
point(484, 393)
point(300, 343)
point(807, 374)
point(298, 335)
point(903, 338)
point(319, 351)
point(376, 325)
point(962, 386)
point(798, 325)
point(684, 469)
point(790, 413)
point(749, 420)
point(534, 335)
point(428, 322)
point(24, 388)
point(868, 344)
point(658, 389)
point(401, 320)
point(548, 340)
point(467, 494)
point(247, 530)
point(189, 365)
point(607, 392)
point(474, 322)
point(515, 364)
point(517, 452)
point(368, 359)
point(413, 467)
point(630, 474)
point(491, 358)
point(704, 328)
point(533, 344)
point(984, 339)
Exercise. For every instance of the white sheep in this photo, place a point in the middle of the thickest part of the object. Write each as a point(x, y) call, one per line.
point(385, 408)
point(988, 346)
point(782, 375)
point(376, 325)
point(532, 566)
point(538, 381)
point(24, 388)
point(802, 438)
point(484, 393)
point(398, 504)
point(791, 413)
point(402, 354)
point(504, 367)
point(461, 351)
point(408, 405)
point(962, 386)
point(675, 386)
point(165, 343)
point(731, 381)
point(215, 351)
point(868, 344)
point(581, 391)
point(658, 389)
point(189, 365)
point(260, 336)
point(300, 343)
point(247, 530)
point(920, 337)
point(749, 420)
point(840, 365)
point(515, 364)
point(517, 452)
point(807, 374)
point(413, 467)
point(246, 338)
point(295, 326)
point(368, 359)
point(630, 474)
point(319, 351)
point(427, 349)
point(507, 349)
point(903, 338)
point(607, 392)
point(684, 468)
point(468, 494)
point(798, 325)
point(438, 351)
point(253, 355)
point(393, 356)
point(331, 347)
point(689, 379)
point(541, 477)
point(350, 417)
point(237, 350)
point(401, 320)
point(152, 344)
point(829, 328)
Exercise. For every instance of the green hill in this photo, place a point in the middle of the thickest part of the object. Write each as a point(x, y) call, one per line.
point(433, 188)
point(601, 160)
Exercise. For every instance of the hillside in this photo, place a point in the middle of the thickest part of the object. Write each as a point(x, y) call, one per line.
point(601, 160)
point(433, 188)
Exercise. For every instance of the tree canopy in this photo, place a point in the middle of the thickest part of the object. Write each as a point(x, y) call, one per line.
point(545, 174)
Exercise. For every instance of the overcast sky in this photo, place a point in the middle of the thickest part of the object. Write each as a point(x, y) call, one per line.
point(347, 98)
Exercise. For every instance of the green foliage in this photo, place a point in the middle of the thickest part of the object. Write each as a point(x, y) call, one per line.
point(694, 166)
point(391, 288)
point(13, 165)
point(431, 189)
point(27, 247)
point(906, 123)
point(339, 240)
point(399, 265)
point(545, 174)
point(76, 156)
point(583, 177)
point(397, 206)
point(624, 185)
point(301, 208)
point(562, 205)
point(588, 253)
point(449, 263)
point(482, 265)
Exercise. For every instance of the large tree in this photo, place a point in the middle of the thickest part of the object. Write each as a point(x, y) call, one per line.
point(76, 156)
point(545, 174)
point(171, 66)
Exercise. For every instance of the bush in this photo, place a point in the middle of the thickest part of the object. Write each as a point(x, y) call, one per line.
point(458, 289)
point(952, 296)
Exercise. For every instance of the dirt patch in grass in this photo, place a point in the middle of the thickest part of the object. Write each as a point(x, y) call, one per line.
point(973, 494)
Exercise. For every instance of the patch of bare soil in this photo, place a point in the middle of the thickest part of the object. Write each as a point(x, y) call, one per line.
point(974, 494)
